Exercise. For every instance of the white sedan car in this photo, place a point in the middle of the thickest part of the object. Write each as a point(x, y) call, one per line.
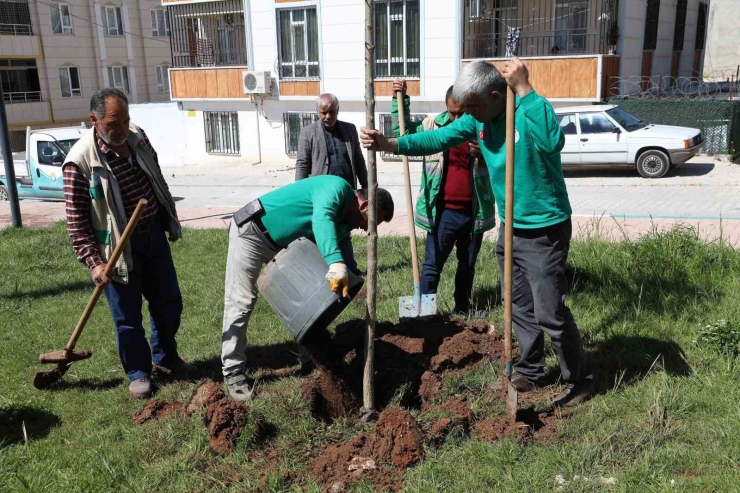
point(606, 134)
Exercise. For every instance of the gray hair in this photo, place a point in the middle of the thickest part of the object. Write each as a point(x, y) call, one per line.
point(97, 102)
point(326, 100)
point(480, 79)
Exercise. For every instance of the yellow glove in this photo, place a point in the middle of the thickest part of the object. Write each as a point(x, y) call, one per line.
point(338, 279)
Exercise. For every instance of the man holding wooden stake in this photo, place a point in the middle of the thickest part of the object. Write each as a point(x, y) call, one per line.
point(542, 225)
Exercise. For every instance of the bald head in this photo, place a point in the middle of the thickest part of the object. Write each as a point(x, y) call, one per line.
point(327, 106)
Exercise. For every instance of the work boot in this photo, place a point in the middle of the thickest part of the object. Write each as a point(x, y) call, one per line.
point(574, 394)
point(521, 384)
point(177, 370)
point(239, 387)
point(141, 388)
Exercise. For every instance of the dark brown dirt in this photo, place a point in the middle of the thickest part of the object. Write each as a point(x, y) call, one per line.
point(543, 426)
point(225, 420)
point(465, 348)
point(430, 385)
point(396, 440)
point(403, 354)
point(456, 415)
point(204, 396)
point(156, 409)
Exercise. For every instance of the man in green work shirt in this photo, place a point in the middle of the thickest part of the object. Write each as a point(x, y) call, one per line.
point(542, 225)
point(323, 209)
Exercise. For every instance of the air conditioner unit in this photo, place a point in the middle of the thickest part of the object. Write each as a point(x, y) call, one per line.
point(257, 82)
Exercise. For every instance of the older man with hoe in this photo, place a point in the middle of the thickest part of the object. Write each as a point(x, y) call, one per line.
point(106, 173)
point(323, 209)
point(542, 224)
point(332, 147)
point(455, 205)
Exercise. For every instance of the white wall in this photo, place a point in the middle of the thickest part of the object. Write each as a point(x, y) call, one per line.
point(631, 37)
point(722, 54)
point(663, 53)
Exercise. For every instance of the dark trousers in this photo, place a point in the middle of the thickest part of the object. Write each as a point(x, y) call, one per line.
point(538, 302)
point(453, 228)
point(345, 246)
point(153, 277)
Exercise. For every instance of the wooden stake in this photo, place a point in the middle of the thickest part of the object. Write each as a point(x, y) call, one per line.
point(368, 387)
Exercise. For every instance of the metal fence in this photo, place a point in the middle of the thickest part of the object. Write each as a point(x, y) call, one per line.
point(208, 34)
point(293, 124)
point(565, 27)
point(719, 120)
point(22, 97)
point(15, 18)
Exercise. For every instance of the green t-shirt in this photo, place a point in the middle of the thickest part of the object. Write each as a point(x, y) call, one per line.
point(540, 195)
point(314, 208)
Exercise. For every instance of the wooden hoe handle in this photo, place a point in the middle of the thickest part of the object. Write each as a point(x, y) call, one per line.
point(110, 266)
point(509, 225)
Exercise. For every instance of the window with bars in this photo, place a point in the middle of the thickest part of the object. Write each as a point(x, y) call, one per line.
point(61, 20)
point(160, 23)
point(298, 43)
point(118, 78)
point(571, 26)
point(112, 23)
point(15, 18)
point(651, 25)
point(69, 81)
point(680, 26)
point(222, 132)
point(163, 78)
point(293, 124)
point(386, 125)
point(397, 45)
point(701, 27)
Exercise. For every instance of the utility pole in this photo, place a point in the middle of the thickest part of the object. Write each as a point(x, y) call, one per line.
point(368, 387)
point(15, 209)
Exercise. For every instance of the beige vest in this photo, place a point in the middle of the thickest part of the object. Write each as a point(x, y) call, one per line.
point(107, 215)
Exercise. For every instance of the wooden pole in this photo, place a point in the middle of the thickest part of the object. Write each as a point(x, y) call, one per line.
point(368, 387)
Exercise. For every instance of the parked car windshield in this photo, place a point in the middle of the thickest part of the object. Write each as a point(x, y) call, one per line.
point(49, 152)
point(626, 120)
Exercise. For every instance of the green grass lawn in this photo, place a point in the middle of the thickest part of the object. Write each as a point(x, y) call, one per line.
point(668, 412)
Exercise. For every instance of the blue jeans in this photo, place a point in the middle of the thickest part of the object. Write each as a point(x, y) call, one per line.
point(153, 277)
point(452, 228)
point(345, 246)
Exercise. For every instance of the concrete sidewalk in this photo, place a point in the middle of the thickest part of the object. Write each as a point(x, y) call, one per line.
point(610, 228)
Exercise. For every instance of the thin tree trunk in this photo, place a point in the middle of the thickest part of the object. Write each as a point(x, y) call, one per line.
point(368, 387)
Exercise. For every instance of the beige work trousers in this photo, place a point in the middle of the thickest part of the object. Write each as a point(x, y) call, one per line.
point(249, 250)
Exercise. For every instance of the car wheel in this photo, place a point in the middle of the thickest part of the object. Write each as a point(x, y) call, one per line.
point(3, 194)
point(653, 164)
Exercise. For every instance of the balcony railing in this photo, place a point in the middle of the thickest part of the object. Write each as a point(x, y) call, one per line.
point(208, 34)
point(15, 18)
point(22, 97)
point(562, 27)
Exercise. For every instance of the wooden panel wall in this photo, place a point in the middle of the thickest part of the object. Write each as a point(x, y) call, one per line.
point(609, 74)
point(697, 63)
point(215, 83)
point(300, 88)
point(385, 87)
point(288, 1)
point(675, 60)
point(561, 77)
point(647, 67)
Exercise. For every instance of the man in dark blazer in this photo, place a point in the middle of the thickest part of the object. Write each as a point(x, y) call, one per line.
point(332, 147)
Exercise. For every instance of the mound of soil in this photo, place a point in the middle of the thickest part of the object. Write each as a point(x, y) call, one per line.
point(224, 417)
point(156, 409)
point(225, 420)
point(204, 396)
point(396, 440)
point(457, 415)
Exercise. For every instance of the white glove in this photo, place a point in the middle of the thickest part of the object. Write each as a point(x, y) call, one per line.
point(338, 279)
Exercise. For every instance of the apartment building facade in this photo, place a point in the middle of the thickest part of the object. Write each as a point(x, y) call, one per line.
point(578, 52)
point(55, 55)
